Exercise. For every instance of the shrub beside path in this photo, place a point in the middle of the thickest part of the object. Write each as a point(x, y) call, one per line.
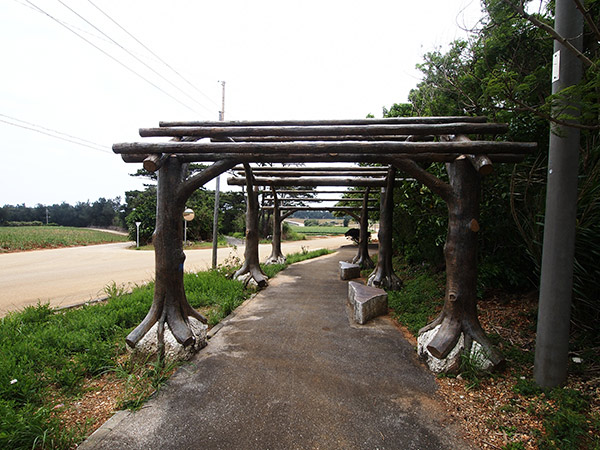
point(290, 371)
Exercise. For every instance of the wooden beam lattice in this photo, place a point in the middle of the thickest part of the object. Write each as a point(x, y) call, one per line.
point(387, 120)
point(398, 143)
point(319, 208)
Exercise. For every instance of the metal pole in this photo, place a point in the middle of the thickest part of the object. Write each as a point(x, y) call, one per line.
point(217, 188)
point(215, 225)
point(137, 234)
point(556, 283)
point(185, 233)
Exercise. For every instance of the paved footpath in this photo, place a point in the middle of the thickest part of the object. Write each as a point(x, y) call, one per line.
point(289, 371)
point(68, 276)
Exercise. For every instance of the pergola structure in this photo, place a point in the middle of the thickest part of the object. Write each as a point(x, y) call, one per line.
point(318, 176)
point(398, 143)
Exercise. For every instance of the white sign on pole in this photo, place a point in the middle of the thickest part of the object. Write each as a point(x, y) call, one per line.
point(556, 66)
point(137, 238)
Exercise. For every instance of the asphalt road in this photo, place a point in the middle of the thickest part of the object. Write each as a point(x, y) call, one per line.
point(69, 276)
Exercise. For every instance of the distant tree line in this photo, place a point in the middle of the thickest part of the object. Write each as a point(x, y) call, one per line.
point(139, 206)
point(103, 213)
point(313, 215)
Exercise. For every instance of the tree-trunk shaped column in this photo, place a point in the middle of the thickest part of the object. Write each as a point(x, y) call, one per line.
point(362, 258)
point(277, 256)
point(453, 333)
point(251, 267)
point(383, 276)
point(170, 305)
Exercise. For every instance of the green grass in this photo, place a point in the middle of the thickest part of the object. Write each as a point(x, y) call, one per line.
point(191, 245)
point(420, 297)
point(568, 421)
point(317, 230)
point(49, 355)
point(14, 239)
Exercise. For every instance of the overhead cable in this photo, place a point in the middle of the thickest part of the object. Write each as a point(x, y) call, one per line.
point(111, 57)
point(154, 54)
point(55, 134)
point(133, 55)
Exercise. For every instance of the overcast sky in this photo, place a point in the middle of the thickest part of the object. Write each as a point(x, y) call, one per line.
point(325, 59)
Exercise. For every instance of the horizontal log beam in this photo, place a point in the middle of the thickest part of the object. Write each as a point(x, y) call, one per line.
point(362, 182)
point(319, 208)
point(261, 123)
point(316, 173)
point(324, 158)
point(318, 199)
point(390, 137)
point(306, 191)
point(316, 148)
point(258, 169)
point(327, 130)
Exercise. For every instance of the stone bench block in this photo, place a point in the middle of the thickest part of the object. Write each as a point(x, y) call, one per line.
point(348, 271)
point(367, 302)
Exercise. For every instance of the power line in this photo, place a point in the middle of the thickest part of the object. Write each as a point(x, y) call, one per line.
point(110, 56)
point(65, 22)
point(154, 54)
point(57, 134)
point(54, 131)
point(133, 55)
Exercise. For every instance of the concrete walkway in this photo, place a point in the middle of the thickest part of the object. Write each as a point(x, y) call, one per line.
point(289, 371)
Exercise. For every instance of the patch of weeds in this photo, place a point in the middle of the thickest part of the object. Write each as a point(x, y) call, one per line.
point(306, 254)
point(142, 380)
point(417, 302)
point(565, 414)
point(516, 355)
point(514, 446)
point(30, 427)
point(113, 290)
point(527, 387)
point(470, 369)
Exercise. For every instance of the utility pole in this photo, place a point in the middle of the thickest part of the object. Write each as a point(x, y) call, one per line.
point(556, 283)
point(217, 188)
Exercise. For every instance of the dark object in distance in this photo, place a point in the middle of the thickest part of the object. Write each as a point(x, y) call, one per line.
point(354, 234)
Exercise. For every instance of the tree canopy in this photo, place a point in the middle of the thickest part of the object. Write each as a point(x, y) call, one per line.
point(503, 71)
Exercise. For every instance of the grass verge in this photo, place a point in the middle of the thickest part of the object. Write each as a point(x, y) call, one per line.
point(56, 366)
point(318, 230)
point(16, 239)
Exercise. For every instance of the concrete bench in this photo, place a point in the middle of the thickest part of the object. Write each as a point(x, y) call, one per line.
point(367, 302)
point(348, 271)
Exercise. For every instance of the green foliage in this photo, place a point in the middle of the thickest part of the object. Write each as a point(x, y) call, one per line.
point(417, 302)
point(45, 351)
point(30, 238)
point(502, 71)
point(288, 233)
point(304, 255)
point(141, 207)
point(566, 416)
point(101, 213)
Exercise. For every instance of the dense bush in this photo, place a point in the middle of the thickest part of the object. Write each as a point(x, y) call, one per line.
point(502, 72)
